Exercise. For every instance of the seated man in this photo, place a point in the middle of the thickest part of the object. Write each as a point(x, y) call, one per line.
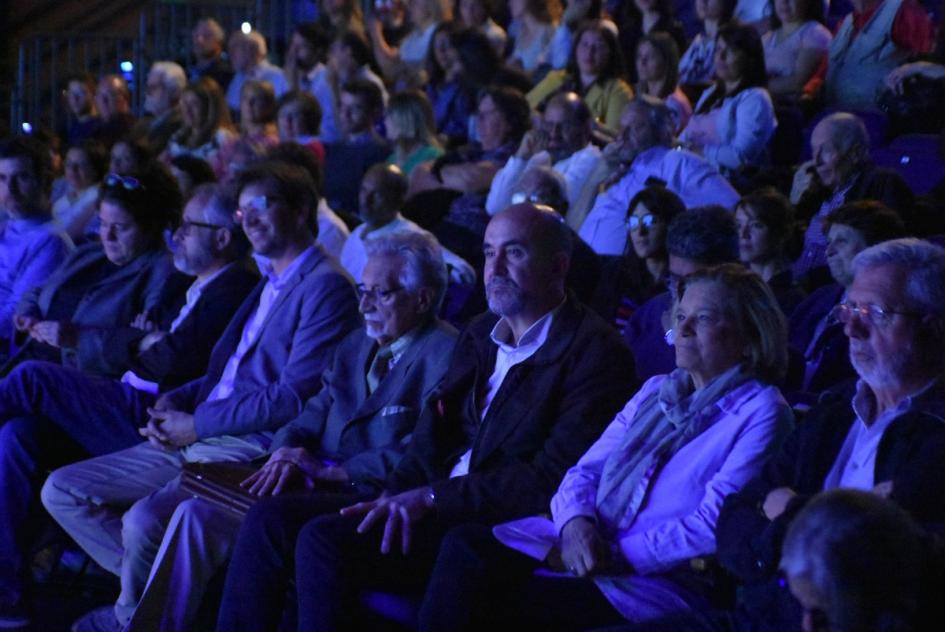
point(562, 142)
point(695, 239)
point(165, 84)
point(31, 246)
point(207, 40)
point(347, 440)
point(248, 54)
point(113, 100)
point(528, 389)
point(298, 118)
point(382, 195)
point(51, 414)
point(641, 152)
point(266, 364)
point(886, 435)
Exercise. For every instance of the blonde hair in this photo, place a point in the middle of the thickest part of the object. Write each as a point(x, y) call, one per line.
point(411, 111)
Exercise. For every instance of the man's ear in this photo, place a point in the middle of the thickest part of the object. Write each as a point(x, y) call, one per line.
point(425, 297)
point(222, 239)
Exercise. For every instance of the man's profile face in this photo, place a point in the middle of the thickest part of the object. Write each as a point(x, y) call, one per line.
point(354, 115)
point(19, 186)
point(565, 134)
point(636, 133)
point(194, 252)
point(517, 273)
point(389, 309)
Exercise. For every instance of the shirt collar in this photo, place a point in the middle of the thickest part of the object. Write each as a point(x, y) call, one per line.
point(279, 280)
point(864, 403)
point(533, 337)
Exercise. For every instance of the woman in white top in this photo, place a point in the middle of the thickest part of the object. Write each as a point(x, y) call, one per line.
point(532, 28)
point(657, 61)
point(84, 168)
point(697, 63)
point(734, 119)
point(795, 45)
point(424, 16)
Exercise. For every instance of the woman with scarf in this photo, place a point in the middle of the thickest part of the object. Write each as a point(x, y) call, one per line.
point(643, 501)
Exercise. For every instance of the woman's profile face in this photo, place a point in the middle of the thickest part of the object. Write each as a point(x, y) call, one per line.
point(707, 343)
point(754, 242)
point(647, 232)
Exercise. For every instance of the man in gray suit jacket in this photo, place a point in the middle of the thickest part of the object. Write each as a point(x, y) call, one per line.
point(346, 441)
point(267, 363)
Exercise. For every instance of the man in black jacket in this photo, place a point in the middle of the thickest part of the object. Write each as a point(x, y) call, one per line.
point(529, 388)
point(889, 438)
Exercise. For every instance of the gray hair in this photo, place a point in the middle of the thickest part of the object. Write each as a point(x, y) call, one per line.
point(705, 234)
point(423, 261)
point(547, 187)
point(172, 76)
point(660, 117)
point(848, 133)
point(925, 266)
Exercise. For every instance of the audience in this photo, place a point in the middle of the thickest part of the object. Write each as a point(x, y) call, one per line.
point(884, 435)
point(697, 65)
point(207, 42)
point(165, 85)
point(477, 14)
point(298, 120)
point(594, 71)
point(531, 29)
point(408, 56)
point(657, 66)
point(31, 246)
point(75, 211)
point(795, 46)
point(644, 498)
point(248, 54)
point(206, 121)
point(575, 13)
point(268, 361)
point(82, 119)
point(452, 98)
point(113, 101)
point(639, 18)
point(408, 121)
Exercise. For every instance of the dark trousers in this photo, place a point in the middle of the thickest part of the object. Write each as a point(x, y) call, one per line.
point(478, 584)
point(51, 415)
point(258, 593)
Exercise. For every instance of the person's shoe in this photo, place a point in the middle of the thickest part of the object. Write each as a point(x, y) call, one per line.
point(13, 616)
point(99, 620)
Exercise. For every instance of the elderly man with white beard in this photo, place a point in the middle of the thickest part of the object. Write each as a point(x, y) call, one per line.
point(884, 434)
point(343, 445)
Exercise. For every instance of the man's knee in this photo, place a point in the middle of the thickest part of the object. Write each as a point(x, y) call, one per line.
point(144, 524)
point(55, 493)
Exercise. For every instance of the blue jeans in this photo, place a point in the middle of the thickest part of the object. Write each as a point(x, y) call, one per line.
point(51, 415)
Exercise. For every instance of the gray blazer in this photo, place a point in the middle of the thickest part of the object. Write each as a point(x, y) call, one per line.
point(283, 367)
point(107, 304)
point(368, 433)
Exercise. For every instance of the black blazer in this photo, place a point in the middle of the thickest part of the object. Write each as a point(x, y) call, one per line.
point(547, 413)
point(183, 355)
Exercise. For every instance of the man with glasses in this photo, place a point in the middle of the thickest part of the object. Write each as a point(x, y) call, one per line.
point(885, 434)
point(267, 363)
point(561, 142)
point(344, 444)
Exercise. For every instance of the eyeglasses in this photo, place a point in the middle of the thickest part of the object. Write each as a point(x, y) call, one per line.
point(875, 314)
point(115, 181)
point(375, 293)
point(257, 206)
point(635, 221)
point(186, 225)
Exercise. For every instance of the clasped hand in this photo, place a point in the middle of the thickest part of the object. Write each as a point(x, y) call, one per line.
point(169, 429)
point(398, 513)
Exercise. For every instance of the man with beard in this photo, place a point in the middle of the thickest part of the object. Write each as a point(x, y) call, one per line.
point(52, 414)
point(207, 40)
point(162, 91)
point(529, 387)
point(886, 434)
point(643, 152)
point(561, 142)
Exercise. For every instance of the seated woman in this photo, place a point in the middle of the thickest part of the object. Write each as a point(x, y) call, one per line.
point(734, 119)
point(207, 126)
point(410, 128)
point(477, 14)
point(258, 112)
point(75, 210)
point(628, 281)
point(697, 66)
point(795, 46)
point(103, 286)
point(595, 71)
point(768, 242)
point(657, 64)
point(532, 27)
point(451, 99)
point(576, 12)
point(408, 57)
point(643, 501)
point(130, 158)
point(645, 17)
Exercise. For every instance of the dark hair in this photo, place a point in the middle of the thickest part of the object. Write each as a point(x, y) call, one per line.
point(199, 170)
point(874, 220)
point(813, 12)
point(436, 73)
point(359, 47)
point(746, 40)
point(316, 35)
point(154, 204)
point(368, 91)
point(478, 56)
point(631, 19)
point(37, 153)
point(309, 106)
point(658, 200)
point(292, 183)
point(97, 154)
point(771, 208)
point(728, 11)
point(613, 69)
point(705, 234)
point(666, 46)
point(296, 154)
point(514, 108)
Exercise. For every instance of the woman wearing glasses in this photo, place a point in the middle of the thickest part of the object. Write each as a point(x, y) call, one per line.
point(819, 348)
point(128, 277)
point(629, 280)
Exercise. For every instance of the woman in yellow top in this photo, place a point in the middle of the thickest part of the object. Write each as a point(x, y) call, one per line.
point(595, 71)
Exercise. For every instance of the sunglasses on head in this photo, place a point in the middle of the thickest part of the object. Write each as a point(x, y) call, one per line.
point(116, 181)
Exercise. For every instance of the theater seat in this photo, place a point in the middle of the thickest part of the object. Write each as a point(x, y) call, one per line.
point(916, 158)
